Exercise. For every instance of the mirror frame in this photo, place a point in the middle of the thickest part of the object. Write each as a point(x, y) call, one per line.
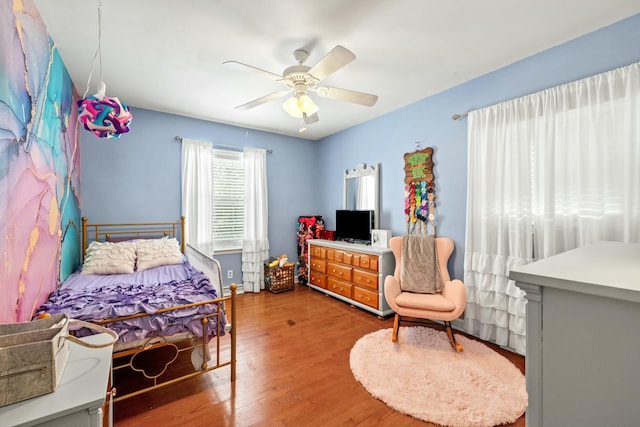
point(363, 170)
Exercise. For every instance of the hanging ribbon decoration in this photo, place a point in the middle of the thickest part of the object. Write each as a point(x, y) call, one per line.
point(104, 116)
point(419, 191)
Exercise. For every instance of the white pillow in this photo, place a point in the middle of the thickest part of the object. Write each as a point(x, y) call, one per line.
point(109, 258)
point(156, 252)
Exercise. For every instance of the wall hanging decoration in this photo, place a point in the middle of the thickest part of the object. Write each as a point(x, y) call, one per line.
point(104, 116)
point(419, 191)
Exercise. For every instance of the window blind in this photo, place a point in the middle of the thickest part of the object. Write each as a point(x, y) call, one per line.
point(227, 200)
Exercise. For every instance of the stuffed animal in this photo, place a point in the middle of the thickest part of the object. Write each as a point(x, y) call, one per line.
point(282, 260)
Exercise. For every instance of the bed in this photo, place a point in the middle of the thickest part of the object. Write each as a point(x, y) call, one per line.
point(136, 280)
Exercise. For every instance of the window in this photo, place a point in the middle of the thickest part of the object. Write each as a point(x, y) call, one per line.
point(227, 200)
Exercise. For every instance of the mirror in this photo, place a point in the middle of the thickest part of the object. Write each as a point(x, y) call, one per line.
point(361, 189)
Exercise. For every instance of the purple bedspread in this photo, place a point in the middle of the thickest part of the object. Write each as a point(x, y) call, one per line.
point(93, 297)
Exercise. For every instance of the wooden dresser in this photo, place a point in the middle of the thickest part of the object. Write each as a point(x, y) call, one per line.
point(351, 272)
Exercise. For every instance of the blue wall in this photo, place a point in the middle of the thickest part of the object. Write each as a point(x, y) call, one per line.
point(385, 140)
point(137, 178)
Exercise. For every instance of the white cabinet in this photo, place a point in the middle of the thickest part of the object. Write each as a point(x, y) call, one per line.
point(583, 318)
point(78, 401)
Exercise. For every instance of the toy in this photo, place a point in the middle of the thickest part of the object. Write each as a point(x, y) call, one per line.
point(283, 260)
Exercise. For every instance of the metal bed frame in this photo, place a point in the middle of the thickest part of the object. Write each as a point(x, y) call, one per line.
point(126, 357)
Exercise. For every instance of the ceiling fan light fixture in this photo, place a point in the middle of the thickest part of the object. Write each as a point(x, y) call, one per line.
point(307, 105)
point(299, 104)
point(292, 107)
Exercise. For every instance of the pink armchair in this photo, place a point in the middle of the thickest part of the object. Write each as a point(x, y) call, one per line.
point(420, 308)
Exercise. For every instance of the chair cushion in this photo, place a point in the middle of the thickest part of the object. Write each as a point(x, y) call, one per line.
point(434, 302)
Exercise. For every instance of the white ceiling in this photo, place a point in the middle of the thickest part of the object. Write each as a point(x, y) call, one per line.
point(167, 55)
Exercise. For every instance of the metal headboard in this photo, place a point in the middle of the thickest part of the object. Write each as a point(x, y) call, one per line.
point(145, 230)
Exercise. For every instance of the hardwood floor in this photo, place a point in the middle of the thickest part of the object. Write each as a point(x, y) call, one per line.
point(293, 370)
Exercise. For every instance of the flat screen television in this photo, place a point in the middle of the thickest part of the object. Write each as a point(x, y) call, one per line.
point(354, 225)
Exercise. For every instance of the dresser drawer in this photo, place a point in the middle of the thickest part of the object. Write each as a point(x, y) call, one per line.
point(343, 257)
point(318, 265)
point(366, 279)
point(320, 280)
point(318, 251)
point(331, 254)
point(365, 296)
point(370, 262)
point(339, 287)
point(339, 271)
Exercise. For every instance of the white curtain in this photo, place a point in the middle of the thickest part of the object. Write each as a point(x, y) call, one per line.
point(548, 172)
point(255, 247)
point(196, 190)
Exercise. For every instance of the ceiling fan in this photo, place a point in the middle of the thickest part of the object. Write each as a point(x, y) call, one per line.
point(301, 79)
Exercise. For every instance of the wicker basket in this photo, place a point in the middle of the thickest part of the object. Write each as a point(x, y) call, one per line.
point(278, 279)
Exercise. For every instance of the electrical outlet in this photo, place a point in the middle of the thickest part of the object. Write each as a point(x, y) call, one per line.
point(229, 274)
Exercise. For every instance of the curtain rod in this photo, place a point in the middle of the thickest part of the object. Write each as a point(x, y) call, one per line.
point(179, 139)
point(459, 116)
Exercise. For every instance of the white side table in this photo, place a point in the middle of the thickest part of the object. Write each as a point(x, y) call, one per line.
point(79, 398)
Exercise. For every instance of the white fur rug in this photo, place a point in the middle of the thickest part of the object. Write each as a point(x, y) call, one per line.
point(422, 376)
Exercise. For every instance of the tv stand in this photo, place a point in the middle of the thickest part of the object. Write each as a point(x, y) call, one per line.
point(351, 272)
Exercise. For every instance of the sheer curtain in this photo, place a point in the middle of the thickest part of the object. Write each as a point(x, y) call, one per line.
point(255, 247)
point(548, 172)
point(196, 191)
point(365, 193)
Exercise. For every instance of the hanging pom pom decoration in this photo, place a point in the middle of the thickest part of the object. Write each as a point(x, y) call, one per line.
point(104, 116)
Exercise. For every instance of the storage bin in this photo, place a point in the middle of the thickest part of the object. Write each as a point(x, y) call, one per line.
point(33, 356)
point(278, 279)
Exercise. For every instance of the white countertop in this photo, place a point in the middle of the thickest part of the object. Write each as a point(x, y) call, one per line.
point(357, 247)
point(608, 269)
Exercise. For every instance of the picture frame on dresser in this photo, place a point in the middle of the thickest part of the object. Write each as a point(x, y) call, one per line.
point(380, 238)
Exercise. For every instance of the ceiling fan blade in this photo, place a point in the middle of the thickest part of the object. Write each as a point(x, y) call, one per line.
point(347, 95)
point(262, 100)
point(310, 119)
point(244, 67)
point(337, 58)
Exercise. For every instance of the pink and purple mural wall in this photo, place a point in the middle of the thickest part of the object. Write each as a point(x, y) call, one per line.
point(39, 164)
